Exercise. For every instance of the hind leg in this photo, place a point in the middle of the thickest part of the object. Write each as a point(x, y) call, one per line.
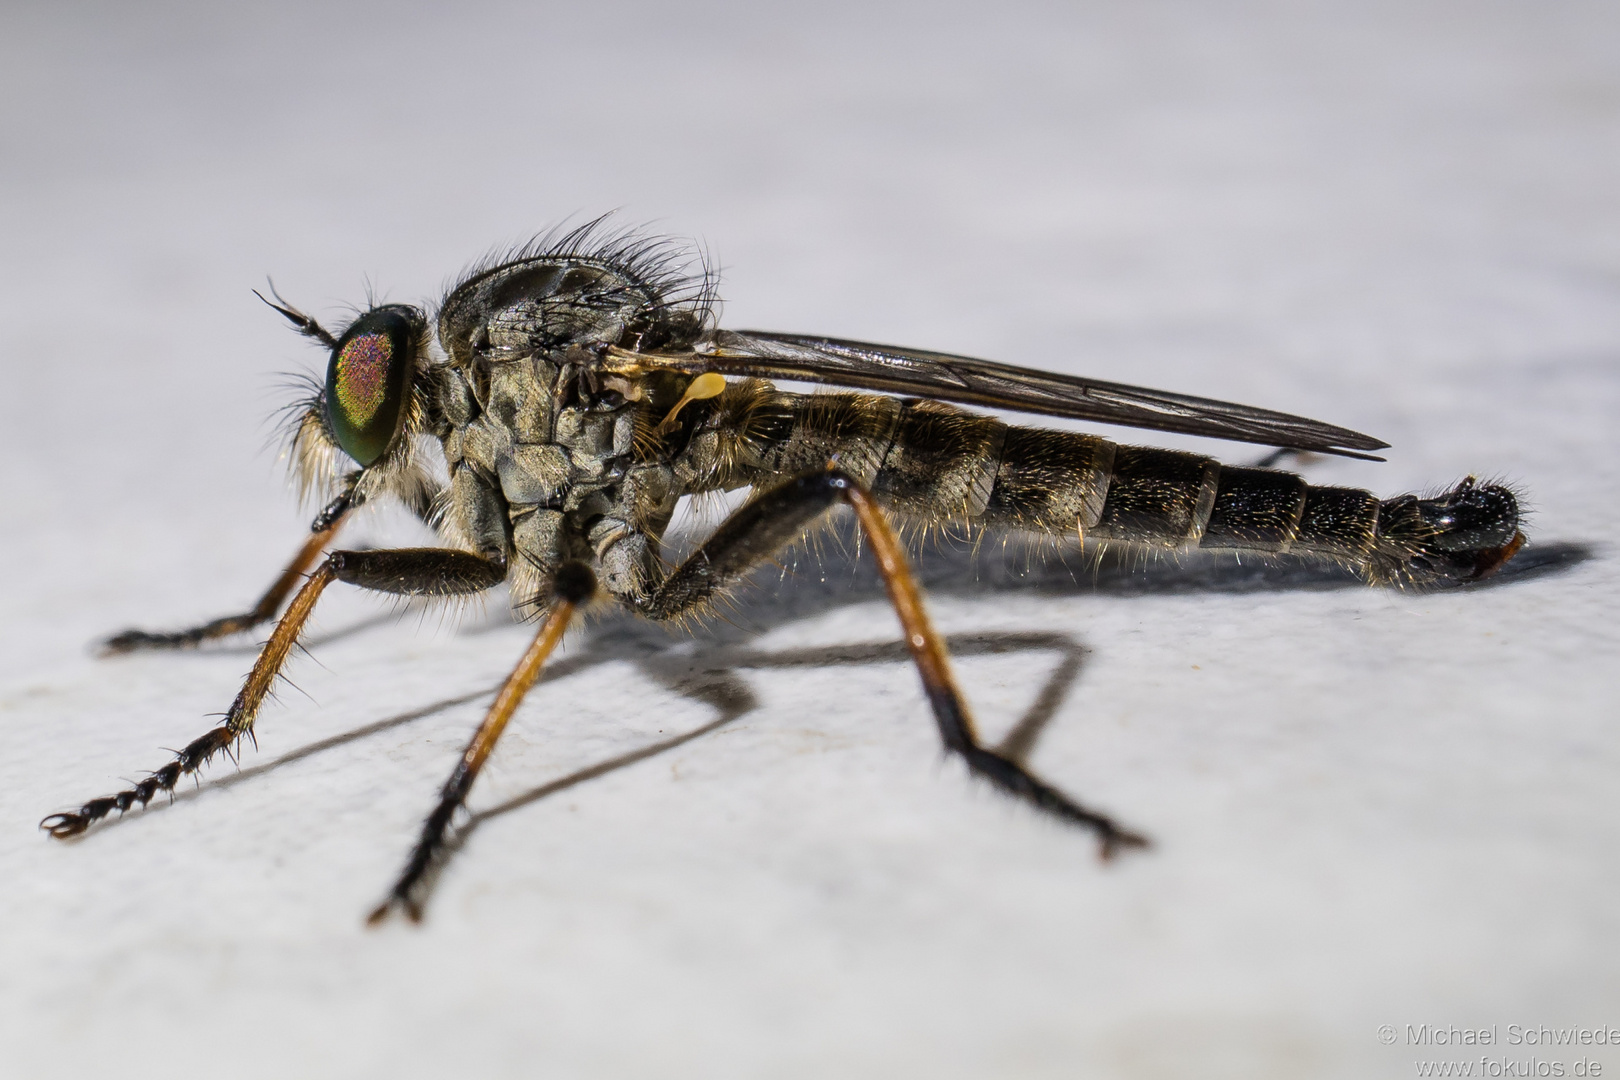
point(766, 524)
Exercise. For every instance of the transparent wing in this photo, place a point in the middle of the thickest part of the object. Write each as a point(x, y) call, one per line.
point(967, 381)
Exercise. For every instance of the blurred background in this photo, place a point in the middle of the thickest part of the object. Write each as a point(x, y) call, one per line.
point(1373, 809)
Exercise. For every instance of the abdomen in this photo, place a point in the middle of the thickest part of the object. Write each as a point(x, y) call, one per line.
point(936, 464)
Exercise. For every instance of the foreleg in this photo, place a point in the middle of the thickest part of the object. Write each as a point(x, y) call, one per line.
point(321, 533)
point(407, 571)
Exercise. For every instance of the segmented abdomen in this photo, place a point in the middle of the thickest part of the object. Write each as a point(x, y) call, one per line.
point(1166, 498)
point(937, 464)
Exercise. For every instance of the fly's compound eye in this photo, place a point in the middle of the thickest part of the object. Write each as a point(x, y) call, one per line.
point(368, 380)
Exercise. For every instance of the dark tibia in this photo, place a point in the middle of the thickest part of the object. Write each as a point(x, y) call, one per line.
point(424, 571)
point(326, 526)
point(765, 525)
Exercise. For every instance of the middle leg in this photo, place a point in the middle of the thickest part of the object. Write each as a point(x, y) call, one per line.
point(573, 585)
point(763, 526)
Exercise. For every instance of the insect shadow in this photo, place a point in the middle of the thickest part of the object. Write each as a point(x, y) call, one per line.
point(709, 672)
point(706, 669)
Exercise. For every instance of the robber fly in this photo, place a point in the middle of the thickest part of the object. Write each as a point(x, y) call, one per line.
point(577, 388)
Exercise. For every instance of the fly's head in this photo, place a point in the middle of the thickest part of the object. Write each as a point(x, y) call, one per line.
point(357, 430)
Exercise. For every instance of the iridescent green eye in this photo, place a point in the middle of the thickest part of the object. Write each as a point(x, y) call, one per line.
point(369, 379)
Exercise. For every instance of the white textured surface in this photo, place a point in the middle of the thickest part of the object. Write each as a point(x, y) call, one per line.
point(1370, 808)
